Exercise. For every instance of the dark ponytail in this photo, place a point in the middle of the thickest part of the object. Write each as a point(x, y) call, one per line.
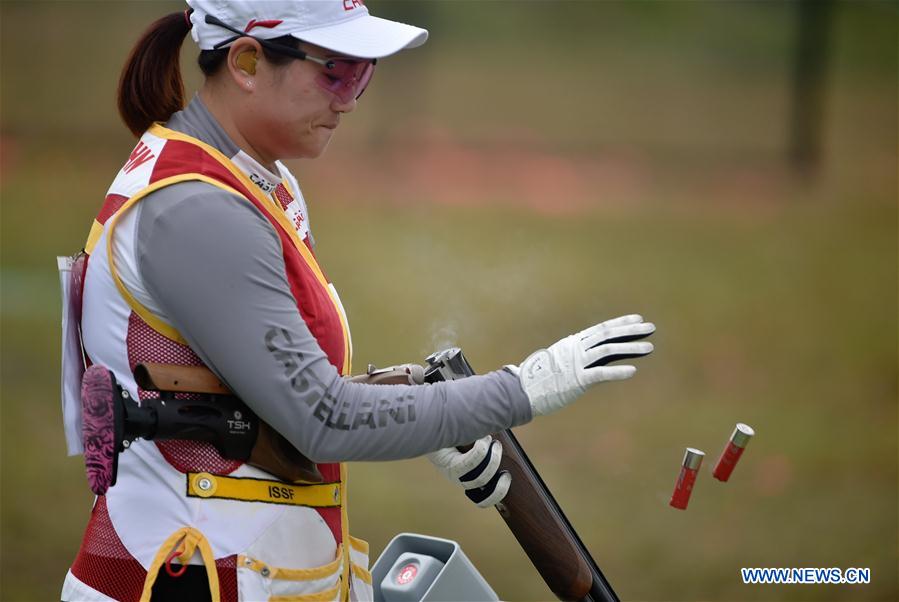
point(150, 88)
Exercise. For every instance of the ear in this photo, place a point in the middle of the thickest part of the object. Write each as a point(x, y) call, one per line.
point(247, 61)
point(242, 58)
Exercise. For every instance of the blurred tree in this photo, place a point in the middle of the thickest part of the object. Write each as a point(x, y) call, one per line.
point(812, 40)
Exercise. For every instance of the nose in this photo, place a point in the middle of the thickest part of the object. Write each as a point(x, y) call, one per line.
point(340, 106)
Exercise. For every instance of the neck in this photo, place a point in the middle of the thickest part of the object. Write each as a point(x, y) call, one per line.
point(220, 110)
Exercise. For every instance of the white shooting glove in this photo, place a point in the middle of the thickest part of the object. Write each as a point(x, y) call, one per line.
point(477, 470)
point(552, 378)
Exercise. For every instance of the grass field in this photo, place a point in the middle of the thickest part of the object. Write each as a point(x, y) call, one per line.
point(775, 297)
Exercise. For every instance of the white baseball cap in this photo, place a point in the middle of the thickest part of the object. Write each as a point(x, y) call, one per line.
point(343, 26)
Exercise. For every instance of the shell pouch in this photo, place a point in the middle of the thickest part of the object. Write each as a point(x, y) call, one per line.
point(360, 578)
point(257, 580)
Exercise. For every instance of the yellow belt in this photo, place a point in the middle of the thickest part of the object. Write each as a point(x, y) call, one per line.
point(206, 485)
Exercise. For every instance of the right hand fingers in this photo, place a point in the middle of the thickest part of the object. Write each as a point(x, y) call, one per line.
point(608, 324)
point(619, 334)
point(606, 373)
point(613, 352)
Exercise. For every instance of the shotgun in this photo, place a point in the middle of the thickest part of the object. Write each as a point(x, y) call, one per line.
point(530, 510)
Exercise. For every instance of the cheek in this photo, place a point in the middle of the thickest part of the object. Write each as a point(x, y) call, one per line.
point(295, 110)
point(288, 116)
point(274, 120)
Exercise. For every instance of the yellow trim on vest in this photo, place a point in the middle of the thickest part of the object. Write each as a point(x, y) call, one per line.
point(192, 540)
point(347, 339)
point(325, 596)
point(345, 530)
point(149, 317)
point(246, 489)
point(361, 573)
point(93, 237)
point(310, 574)
point(360, 545)
point(163, 132)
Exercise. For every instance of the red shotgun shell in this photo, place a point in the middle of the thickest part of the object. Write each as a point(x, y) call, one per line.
point(684, 486)
point(732, 451)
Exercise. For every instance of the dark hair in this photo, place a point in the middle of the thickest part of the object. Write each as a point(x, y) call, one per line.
point(151, 88)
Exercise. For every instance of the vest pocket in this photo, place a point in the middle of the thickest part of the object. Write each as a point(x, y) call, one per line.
point(257, 580)
point(360, 578)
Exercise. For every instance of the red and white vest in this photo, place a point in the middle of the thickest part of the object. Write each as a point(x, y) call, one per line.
point(180, 499)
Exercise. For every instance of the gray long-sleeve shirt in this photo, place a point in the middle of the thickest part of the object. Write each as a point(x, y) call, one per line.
point(213, 265)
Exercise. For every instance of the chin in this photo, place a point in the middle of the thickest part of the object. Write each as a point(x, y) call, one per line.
point(305, 153)
point(315, 151)
point(310, 149)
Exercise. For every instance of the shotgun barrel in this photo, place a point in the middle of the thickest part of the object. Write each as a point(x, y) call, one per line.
point(531, 512)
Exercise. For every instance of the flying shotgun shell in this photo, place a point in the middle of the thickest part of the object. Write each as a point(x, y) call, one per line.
point(684, 486)
point(732, 451)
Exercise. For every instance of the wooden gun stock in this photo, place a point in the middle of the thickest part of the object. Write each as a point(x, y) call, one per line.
point(275, 455)
point(272, 452)
point(178, 379)
point(544, 533)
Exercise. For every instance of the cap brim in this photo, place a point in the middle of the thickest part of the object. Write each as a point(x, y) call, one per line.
point(365, 37)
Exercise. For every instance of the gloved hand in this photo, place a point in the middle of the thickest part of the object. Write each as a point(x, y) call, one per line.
point(477, 470)
point(554, 377)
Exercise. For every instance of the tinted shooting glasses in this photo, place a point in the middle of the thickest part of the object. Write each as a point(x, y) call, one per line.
point(344, 77)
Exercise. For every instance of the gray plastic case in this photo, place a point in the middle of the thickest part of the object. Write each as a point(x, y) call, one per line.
point(456, 581)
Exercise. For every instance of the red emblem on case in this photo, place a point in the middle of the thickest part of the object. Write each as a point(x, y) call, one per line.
point(407, 574)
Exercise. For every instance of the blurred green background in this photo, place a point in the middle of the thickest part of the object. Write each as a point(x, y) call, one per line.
point(536, 167)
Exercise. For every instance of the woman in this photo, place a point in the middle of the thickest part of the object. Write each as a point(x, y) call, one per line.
point(202, 255)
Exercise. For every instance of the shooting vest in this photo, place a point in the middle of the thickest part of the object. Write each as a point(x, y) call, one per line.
point(259, 538)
